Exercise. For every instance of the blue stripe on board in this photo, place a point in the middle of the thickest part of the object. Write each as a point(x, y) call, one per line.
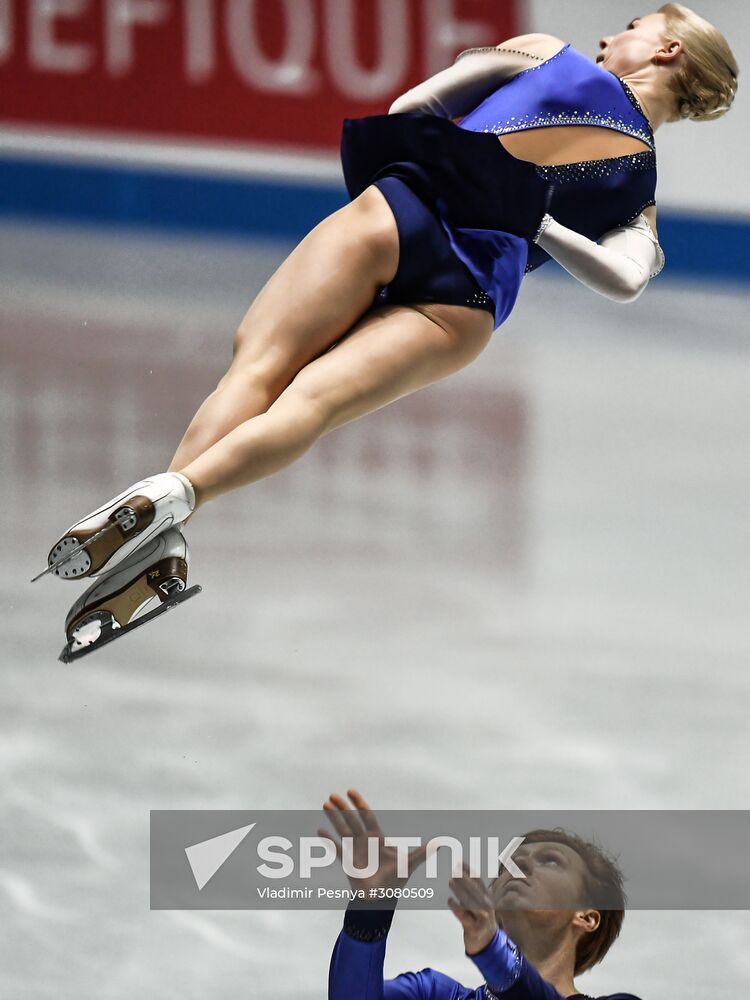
point(700, 246)
point(93, 193)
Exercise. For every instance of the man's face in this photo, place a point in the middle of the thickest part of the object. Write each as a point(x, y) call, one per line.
point(547, 900)
point(634, 47)
point(555, 879)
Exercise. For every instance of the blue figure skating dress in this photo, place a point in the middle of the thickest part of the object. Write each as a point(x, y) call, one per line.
point(467, 210)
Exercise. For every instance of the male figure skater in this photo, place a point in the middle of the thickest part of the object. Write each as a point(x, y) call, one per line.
point(524, 946)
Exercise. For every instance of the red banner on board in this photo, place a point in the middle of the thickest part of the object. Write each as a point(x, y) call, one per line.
point(266, 71)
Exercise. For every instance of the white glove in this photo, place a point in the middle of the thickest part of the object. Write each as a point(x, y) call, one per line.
point(619, 266)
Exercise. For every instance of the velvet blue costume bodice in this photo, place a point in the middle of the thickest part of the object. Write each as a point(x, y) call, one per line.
point(489, 202)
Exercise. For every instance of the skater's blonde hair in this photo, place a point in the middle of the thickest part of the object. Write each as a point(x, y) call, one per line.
point(706, 82)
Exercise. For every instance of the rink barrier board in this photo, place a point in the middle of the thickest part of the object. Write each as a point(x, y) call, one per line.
point(711, 247)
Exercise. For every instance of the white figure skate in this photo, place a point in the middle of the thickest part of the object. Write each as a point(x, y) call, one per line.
point(151, 582)
point(109, 535)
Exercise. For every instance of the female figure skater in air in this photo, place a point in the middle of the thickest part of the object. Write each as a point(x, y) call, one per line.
point(554, 157)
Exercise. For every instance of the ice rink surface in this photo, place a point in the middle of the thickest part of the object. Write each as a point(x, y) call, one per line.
point(524, 588)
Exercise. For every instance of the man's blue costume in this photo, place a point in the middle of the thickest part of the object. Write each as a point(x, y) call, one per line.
point(357, 969)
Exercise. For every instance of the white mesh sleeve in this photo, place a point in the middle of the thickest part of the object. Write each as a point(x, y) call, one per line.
point(619, 266)
point(455, 91)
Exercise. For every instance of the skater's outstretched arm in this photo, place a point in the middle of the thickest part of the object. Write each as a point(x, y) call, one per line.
point(357, 962)
point(356, 968)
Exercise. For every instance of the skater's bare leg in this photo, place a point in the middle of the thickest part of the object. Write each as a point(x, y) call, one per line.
point(313, 299)
point(392, 351)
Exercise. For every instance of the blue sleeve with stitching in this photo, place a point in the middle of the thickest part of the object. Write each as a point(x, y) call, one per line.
point(356, 971)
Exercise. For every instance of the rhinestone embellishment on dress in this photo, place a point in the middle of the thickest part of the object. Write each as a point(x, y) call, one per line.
point(480, 299)
point(572, 173)
point(550, 119)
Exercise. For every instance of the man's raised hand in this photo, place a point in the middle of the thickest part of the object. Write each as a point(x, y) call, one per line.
point(473, 907)
point(364, 839)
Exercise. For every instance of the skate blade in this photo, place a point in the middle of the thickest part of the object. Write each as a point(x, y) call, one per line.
point(75, 551)
point(109, 634)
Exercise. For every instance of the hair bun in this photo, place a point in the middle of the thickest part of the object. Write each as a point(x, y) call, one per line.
point(704, 104)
